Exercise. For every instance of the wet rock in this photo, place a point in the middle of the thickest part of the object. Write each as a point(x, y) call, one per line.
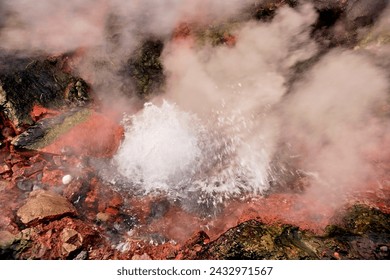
point(83, 255)
point(25, 185)
point(158, 209)
point(255, 240)
point(360, 234)
point(26, 81)
point(43, 205)
point(71, 241)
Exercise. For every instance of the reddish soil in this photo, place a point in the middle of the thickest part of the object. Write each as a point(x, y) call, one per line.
point(99, 136)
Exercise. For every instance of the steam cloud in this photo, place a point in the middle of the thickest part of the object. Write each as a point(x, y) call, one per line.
point(239, 94)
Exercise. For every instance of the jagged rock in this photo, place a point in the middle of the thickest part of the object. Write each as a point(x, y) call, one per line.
point(83, 255)
point(145, 69)
point(363, 233)
point(44, 205)
point(255, 240)
point(71, 239)
point(25, 82)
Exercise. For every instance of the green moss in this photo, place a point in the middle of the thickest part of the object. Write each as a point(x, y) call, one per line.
point(145, 68)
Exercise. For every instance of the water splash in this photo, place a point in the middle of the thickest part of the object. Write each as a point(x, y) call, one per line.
point(175, 152)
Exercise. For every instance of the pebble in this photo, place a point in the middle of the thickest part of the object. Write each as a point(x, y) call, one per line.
point(384, 248)
point(67, 179)
point(25, 185)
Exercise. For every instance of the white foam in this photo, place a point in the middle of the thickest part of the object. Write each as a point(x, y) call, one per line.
point(160, 147)
point(173, 151)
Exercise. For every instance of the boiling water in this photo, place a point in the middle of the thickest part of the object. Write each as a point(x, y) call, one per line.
point(168, 150)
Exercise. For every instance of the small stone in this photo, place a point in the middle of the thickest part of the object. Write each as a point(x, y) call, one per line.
point(25, 185)
point(44, 205)
point(197, 248)
point(103, 217)
point(6, 239)
point(384, 248)
point(67, 179)
point(4, 168)
point(72, 240)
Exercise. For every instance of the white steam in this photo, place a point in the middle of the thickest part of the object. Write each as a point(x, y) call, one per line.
point(227, 148)
point(333, 115)
point(53, 26)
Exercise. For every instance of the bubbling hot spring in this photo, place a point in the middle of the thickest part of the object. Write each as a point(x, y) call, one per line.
point(172, 152)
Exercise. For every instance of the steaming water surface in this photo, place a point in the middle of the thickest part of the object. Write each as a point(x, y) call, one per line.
point(167, 149)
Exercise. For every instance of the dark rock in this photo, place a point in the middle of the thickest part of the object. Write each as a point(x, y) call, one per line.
point(255, 240)
point(25, 82)
point(42, 205)
point(266, 10)
point(361, 13)
point(158, 209)
point(360, 219)
point(363, 233)
point(25, 185)
point(83, 255)
point(145, 69)
point(339, 22)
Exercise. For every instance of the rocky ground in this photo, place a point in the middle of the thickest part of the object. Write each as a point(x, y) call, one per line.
point(54, 203)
